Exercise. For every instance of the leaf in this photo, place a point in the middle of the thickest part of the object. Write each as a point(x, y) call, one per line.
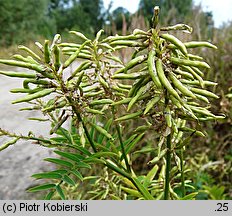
point(132, 192)
point(142, 189)
point(83, 165)
point(145, 150)
point(41, 187)
point(68, 180)
point(83, 150)
point(47, 175)
point(104, 154)
point(150, 176)
point(49, 195)
point(72, 156)
point(102, 131)
point(107, 127)
point(190, 196)
point(60, 171)
point(59, 162)
point(94, 160)
point(131, 145)
point(77, 174)
point(60, 192)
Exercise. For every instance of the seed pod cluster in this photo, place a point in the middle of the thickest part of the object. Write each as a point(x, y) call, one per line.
point(161, 82)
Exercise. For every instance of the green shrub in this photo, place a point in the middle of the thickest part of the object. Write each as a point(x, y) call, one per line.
point(121, 113)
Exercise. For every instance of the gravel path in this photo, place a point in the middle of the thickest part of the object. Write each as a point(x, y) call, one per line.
point(19, 162)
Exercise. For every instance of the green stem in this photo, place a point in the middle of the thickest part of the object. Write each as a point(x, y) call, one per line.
point(86, 132)
point(182, 172)
point(168, 168)
point(123, 149)
point(134, 180)
point(84, 126)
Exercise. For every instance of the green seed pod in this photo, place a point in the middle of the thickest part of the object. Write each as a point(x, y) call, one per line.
point(98, 35)
point(187, 129)
point(35, 67)
point(80, 35)
point(212, 118)
point(106, 46)
point(28, 59)
point(204, 92)
point(102, 81)
point(184, 90)
point(164, 80)
point(201, 110)
point(129, 76)
point(56, 40)
point(189, 69)
point(184, 73)
point(90, 88)
point(132, 63)
point(23, 90)
point(140, 92)
point(74, 49)
point(93, 94)
point(203, 98)
point(187, 62)
point(124, 86)
point(114, 58)
point(195, 57)
point(199, 72)
point(101, 102)
point(76, 54)
point(118, 89)
point(152, 69)
point(29, 51)
point(55, 105)
point(126, 37)
point(40, 46)
point(139, 32)
point(83, 66)
point(151, 104)
point(142, 128)
point(12, 142)
point(57, 62)
point(176, 42)
point(174, 126)
point(18, 74)
point(69, 45)
point(47, 52)
point(168, 116)
point(137, 85)
point(94, 111)
point(175, 102)
point(195, 82)
point(59, 124)
point(195, 44)
point(35, 81)
point(101, 130)
point(79, 79)
point(36, 95)
point(129, 116)
point(158, 158)
point(188, 112)
point(127, 43)
point(123, 101)
point(38, 119)
point(178, 27)
point(31, 60)
point(30, 108)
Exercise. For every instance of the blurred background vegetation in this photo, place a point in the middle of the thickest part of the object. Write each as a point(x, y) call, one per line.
point(210, 158)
